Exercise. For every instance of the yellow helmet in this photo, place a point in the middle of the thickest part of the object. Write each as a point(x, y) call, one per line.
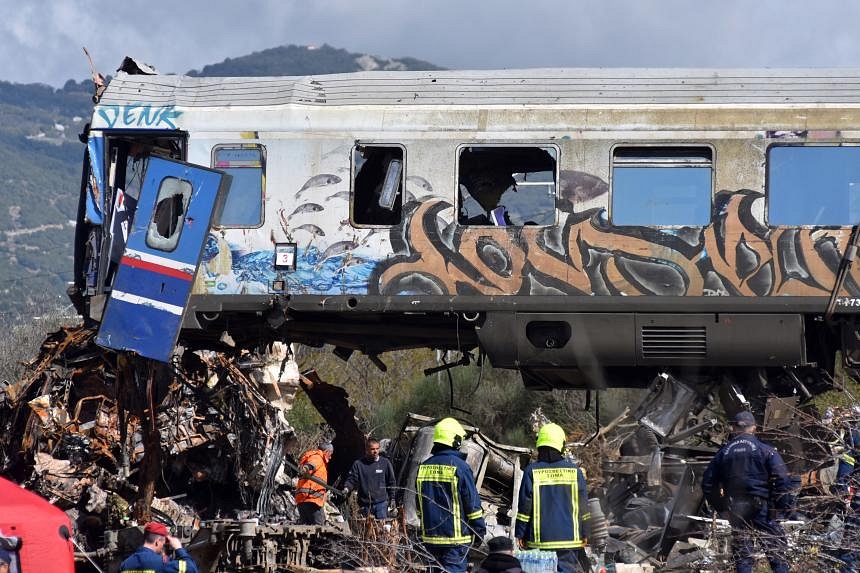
point(449, 432)
point(551, 435)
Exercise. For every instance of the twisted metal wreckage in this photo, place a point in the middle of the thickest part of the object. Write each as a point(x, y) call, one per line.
point(203, 444)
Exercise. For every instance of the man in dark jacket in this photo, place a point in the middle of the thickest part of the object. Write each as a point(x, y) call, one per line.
point(501, 558)
point(448, 502)
point(150, 558)
point(553, 503)
point(748, 478)
point(373, 477)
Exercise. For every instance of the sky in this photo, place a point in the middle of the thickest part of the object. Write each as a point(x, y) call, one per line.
point(41, 40)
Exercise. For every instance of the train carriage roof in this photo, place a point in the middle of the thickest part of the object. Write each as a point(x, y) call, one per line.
point(534, 87)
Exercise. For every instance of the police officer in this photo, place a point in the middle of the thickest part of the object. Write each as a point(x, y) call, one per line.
point(150, 557)
point(448, 502)
point(748, 478)
point(553, 503)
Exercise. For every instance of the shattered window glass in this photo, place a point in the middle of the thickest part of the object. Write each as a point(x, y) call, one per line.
point(813, 185)
point(169, 214)
point(507, 185)
point(661, 186)
point(244, 204)
point(377, 197)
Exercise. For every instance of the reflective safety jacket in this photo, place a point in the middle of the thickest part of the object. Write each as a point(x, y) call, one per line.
point(848, 477)
point(553, 506)
point(448, 502)
point(145, 560)
point(849, 459)
point(312, 462)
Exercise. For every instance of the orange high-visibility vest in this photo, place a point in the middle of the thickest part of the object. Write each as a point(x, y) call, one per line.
point(307, 490)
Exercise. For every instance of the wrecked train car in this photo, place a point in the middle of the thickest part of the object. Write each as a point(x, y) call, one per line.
point(588, 227)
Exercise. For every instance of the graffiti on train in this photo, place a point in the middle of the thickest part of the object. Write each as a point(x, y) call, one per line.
point(737, 255)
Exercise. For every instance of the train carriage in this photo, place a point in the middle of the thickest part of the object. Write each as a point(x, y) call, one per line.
point(589, 227)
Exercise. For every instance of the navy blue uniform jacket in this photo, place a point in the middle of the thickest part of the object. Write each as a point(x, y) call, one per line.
point(747, 467)
point(145, 560)
point(448, 501)
point(553, 506)
point(373, 479)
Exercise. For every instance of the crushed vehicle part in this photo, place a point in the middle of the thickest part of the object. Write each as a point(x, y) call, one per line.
point(333, 405)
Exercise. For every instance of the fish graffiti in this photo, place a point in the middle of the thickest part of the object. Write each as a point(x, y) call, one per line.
point(321, 180)
point(336, 270)
point(305, 208)
point(312, 229)
point(341, 196)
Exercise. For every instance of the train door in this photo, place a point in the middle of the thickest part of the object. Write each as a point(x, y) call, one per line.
point(156, 271)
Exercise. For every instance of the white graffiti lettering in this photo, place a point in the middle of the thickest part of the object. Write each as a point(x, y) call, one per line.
point(138, 115)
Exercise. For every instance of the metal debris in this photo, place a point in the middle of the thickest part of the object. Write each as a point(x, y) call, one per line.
point(204, 445)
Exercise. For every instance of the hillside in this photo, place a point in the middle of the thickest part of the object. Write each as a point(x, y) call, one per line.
point(305, 60)
point(40, 169)
point(40, 163)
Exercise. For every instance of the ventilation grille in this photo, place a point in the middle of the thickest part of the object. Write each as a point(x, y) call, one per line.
point(674, 342)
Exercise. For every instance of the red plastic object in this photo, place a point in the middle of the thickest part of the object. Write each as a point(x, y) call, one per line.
point(42, 528)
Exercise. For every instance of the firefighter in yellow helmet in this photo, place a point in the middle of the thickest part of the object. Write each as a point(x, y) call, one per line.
point(448, 502)
point(553, 503)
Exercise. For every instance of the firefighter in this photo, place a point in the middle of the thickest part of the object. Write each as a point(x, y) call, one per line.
point(310, 494)
point(848, 487)
point(151, 558)
point(448, 502)
point(553, 503)
point(748, 478)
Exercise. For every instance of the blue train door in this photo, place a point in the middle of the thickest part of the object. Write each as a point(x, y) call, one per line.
point(155, 275)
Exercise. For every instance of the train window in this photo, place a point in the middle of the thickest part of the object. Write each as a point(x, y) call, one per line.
point(501, 185)
point(244, 204)
point(661, 186)
point(813, 185)
point(378, 172)
point(169, 214)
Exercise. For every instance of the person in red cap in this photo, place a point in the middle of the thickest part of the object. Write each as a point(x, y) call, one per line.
point(150, 557)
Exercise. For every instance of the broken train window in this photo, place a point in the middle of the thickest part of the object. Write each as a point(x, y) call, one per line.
point(169, 214)
point(502, 185)
point(244, 204)
point(377, 184)
point(129, 159)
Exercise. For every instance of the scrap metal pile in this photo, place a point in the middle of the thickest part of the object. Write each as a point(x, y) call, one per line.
point(79, 429)
point(647, 466)
point(204, 444)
